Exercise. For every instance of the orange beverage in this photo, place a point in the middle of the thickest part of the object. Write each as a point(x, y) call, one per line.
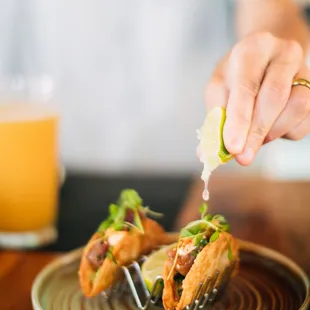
point(28, 167)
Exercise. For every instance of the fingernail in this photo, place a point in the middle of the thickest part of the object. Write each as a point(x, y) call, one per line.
point(247, 156)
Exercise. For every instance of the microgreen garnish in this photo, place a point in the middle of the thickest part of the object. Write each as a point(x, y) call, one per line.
point(113, 208)
point(129, 201)
point(137, 221)
point(221, 222)
point(202, 232)
point(152, 213)
point(197, 239)
point(203, 210)
point(214, 236)
point(117, 226)
point(206, 225)
point(105, 224)
point(129, 198)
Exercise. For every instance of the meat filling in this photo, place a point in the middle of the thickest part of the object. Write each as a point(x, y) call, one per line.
point(130, 216)
point(98, 253)
point(184, 262)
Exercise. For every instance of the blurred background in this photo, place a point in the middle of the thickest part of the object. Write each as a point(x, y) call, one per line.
point(128, 79)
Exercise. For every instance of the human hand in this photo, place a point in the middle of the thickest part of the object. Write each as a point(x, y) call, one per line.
point(254, 83)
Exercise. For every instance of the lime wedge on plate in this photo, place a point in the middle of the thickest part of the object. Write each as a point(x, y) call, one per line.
point(154, 266)
point(212, 151)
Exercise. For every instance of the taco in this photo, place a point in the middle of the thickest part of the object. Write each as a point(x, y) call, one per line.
point(204, 247)
point(122, 238)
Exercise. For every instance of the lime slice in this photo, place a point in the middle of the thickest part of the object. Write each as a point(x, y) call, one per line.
point(211, 148)
point(154, 266)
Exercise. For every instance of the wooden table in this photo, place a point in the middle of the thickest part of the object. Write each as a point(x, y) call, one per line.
point(275, 214)
point(17, 271)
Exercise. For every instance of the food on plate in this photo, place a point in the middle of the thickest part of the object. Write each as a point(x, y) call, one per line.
point(205, 246)
point(123, 237)
point(153, 267)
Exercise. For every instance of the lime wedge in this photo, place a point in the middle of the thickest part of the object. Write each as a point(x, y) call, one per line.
point(154, 266)
point(212, 151)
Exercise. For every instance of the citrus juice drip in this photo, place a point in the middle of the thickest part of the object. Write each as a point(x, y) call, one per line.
point(211, 148)
point(28, 167)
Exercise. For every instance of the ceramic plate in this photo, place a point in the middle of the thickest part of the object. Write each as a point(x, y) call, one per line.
point(266, 280)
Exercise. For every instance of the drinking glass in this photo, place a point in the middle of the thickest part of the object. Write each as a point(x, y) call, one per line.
point(29, 169)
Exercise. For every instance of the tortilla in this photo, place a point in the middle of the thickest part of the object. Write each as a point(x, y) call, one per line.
point(213, 257)
point(124, 252)
point(170, 299)
point(128, 249)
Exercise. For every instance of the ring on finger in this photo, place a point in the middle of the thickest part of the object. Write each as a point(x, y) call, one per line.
point(301, 82)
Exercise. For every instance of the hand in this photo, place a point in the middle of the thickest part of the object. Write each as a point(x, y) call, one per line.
point(254, 83)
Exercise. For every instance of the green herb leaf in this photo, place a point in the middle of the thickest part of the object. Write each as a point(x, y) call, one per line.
point(196, 227)
point(129, 198)
point(105, 224)
point(148, 211)
point(220, 222)
point(203, 209)
point(208, 217)
point(118, 226)
point(230, 255)
point(220, 219)
point(185, 233)
point(137, 221)
point(120, 215)
point(214, 236)
point(113, 208)
point(197, 239)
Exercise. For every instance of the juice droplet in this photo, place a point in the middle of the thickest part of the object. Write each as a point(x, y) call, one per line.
point(205, 177)
point(205, 194)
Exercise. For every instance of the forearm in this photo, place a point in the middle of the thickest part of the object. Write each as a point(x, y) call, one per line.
point(282, 18)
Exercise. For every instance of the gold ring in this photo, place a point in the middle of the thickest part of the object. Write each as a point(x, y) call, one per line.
point(301, 82)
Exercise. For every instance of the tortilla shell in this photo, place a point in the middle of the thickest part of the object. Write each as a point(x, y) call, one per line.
point(213, 257)
point(170, 300)
point(128, 248)
point(124, 252)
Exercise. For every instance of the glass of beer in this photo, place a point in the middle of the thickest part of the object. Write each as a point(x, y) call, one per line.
point(29, 168)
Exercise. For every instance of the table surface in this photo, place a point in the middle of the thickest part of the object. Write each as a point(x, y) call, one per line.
point(275, 214)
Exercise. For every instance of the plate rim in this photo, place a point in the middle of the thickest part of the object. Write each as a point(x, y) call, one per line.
point(73, 255)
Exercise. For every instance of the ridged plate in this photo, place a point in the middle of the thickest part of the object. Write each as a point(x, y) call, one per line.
point(266, 280)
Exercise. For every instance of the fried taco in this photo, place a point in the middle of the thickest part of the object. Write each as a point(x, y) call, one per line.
point(122, 238)
point(204, 247)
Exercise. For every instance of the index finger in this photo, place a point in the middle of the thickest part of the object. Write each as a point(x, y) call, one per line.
point(247, 65)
